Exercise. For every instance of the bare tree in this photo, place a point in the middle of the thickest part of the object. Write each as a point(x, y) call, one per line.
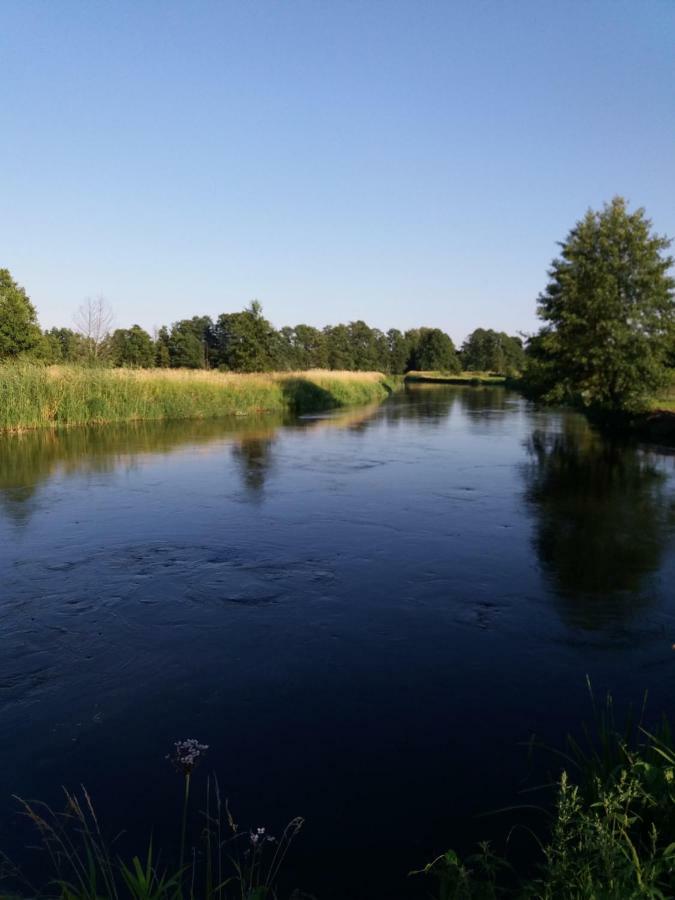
point(93, 320)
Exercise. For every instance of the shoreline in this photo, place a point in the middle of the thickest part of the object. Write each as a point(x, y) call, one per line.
point(40, 397)
point(465, 379)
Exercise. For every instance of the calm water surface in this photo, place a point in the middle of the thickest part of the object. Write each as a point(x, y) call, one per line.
point(363, 615)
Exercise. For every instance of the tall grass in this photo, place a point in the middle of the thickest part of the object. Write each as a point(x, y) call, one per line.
point(611, 831)
point(33, 396)
point(224, 862)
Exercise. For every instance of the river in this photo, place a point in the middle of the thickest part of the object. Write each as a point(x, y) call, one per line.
point(364, 615)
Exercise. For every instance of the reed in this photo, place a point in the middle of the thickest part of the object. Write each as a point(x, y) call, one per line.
point(33, 396)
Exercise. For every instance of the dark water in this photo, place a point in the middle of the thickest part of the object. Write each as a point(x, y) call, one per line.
point(364, 616)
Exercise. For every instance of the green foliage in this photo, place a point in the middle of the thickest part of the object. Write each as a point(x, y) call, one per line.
point(19, 330)
point(432, 350)
point(609, 313)
point(474, 879)
point(64, 346)
point(486, 350)
point(163, 349)
point(185, 350)
point(187, 345)
point(225, 863)
point(245, 341)
point(398, 348)
point(611, 832)
point(237, 341)
point(132, 347)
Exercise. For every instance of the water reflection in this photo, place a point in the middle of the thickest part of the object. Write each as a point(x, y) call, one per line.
point(29, 460)
point(431, 403)
point(603, 515)
point(391, 562)
point(254, 455)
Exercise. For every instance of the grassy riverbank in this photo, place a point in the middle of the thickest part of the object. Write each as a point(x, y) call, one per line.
point(40, 396)
point(467, 378)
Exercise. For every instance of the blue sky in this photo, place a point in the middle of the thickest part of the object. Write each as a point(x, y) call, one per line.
point(406, 163)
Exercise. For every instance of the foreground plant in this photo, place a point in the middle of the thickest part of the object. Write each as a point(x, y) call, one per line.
point(611, 834)
point(225, 863)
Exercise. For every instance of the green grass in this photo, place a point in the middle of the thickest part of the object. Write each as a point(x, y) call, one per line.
point(33, 396)
point(663, 402)
point(610, 834)
point(469, 378)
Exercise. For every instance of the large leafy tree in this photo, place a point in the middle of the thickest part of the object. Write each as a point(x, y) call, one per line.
point(246, 341)
point(340, 353)
point(433, 350)
point(311, 344)
point(162, 351)
point(63, 345)
point(609, 311)
point(132, 347)
point(187, 350)
point(492, 351)
point(19, 330)
point(399, 351)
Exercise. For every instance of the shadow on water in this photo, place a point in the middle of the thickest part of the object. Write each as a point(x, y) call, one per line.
point(303, 395)
point(603, 519)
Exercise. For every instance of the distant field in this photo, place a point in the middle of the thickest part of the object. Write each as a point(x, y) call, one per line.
point(36, 396)
point(460, 378)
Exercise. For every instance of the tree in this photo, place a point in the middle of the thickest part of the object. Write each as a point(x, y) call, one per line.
point(609, 311)
point(186, 350)
point(399, 351)
point(311, 345)
point(93, 320)
point(339, 351)
point(132, 347)
point(63, 345)
point(246, 341)
point(486, 350)
point(433, 351)
point(162, 354)
point(19, 330)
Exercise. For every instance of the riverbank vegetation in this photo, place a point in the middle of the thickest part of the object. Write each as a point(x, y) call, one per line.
point(608, 832)
point(608, 339)
point(34, 396)
point(607, 342)
point(241, 342)
point(610, 829)
point(461, 378)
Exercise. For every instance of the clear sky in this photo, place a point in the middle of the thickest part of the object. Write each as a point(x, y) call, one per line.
point(408, 163)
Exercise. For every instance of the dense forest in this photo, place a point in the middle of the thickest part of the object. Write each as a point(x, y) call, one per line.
point(244, 342)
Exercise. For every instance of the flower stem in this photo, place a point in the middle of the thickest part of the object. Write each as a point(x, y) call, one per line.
point(183, 828)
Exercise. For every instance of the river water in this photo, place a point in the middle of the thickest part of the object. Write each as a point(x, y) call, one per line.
point(365, 615)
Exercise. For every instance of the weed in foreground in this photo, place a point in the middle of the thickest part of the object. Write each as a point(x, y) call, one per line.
point(221, 863)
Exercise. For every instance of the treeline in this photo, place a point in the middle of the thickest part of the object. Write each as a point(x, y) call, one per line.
point(245, 342)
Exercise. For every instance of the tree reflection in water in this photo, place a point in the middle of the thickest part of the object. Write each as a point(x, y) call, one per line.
point(254, 457)
point(603, 519)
